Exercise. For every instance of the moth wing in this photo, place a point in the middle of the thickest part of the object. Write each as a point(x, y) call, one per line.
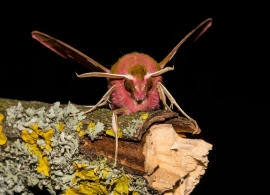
point(68, 52)
point(205, 24)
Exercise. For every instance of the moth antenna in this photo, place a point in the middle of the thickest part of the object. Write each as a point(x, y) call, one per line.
point(104, 74)
point(208, 21)
point(160, 72)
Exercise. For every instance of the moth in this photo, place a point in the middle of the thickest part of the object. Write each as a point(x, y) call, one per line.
point(134, 81)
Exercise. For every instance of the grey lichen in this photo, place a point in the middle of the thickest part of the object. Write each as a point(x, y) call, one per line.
point(94, 130)
point(133, 127)
point(138, 184)
point(18, 165)
point(19, 118)
point(17, 169)
point(129, 124)
point(65, 148)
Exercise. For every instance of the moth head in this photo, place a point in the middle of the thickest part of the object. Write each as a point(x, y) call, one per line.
point(140, 82)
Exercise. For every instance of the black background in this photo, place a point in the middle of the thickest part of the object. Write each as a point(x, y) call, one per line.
point(221, 80)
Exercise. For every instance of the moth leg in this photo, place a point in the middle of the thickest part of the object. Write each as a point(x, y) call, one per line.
point(162, 97)
point(102, 101)
point(119, 110)
point(102, 104)
point(173, 102)
point(115, 130)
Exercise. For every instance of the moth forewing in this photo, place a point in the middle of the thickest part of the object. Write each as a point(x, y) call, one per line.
point(68, 52)
point(207, 23)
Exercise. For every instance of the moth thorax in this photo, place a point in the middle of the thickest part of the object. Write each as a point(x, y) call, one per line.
point(138, 71)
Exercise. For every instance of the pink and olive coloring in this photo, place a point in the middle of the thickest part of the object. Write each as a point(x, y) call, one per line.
point(134, 81)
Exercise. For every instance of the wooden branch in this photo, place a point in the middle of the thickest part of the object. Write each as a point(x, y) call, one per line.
point(170, 163)
point(161, 154)
point(130, 154)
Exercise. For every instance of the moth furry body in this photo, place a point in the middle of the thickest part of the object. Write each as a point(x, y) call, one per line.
point(140, 93)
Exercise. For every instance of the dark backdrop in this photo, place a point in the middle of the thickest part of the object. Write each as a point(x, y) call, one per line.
point(220, 80)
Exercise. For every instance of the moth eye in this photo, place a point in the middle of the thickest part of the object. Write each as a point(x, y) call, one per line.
point(129, 85)
point(149, 84)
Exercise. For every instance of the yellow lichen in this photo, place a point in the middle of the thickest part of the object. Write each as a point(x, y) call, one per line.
point(81, 132)
point(111, 133)
point(36, 134)
point(71, 191)
point(93, 181)
point(38, 149)
point(1, 117)
point(87, 188)
point(43, 166)
point(83, 173)
point(79, 126)
point(3, 137)
point(89, 181)
point(60, 126)
point(144, 116)
point(121, 185)
point(91, 126)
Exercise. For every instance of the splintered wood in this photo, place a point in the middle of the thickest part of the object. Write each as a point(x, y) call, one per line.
point(171, 164)
point(174, 164)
